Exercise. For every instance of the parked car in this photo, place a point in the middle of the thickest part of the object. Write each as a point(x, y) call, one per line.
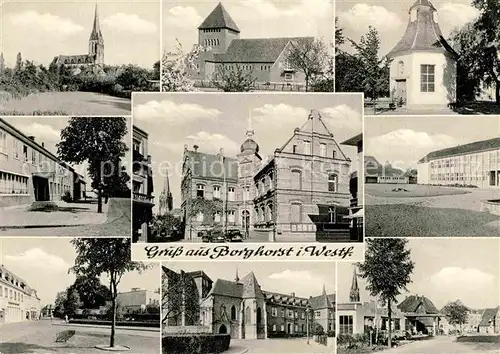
point(234, 235)
point(217, 236)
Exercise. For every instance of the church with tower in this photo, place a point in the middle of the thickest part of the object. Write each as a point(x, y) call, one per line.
point(299, 193)
point(423, 69)
point(95, 56)
point(264, 58)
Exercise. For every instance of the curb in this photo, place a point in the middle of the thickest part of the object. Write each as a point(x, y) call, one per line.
point(3, 228)
point(143, 329)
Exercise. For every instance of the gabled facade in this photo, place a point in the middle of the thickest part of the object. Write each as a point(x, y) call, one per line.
point(424, 66)
point(490, 321)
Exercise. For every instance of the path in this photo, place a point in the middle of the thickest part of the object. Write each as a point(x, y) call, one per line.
point(39, 337)
point(289, 346)
point(70, 103)
point(441, 345)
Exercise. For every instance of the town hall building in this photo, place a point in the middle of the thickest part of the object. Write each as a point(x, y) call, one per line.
point(424, 66)
point(264, 58)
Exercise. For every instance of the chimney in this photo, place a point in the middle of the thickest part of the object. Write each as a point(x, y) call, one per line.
point(195, 147)
point(221, 152)
point(43, 144)
point(185, 147)
point(31, 137)
point(292, 294)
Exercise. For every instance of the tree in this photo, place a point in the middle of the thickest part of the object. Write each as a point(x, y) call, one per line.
point(180, 297)
point(109, 257)
point(72, 302)
point(19, 63)
point(387, 269)
point(456, 313)
point(91, 292)
point(156, 70)
point(99, 141)
point(310, 58)
point(59, 304)
point(152, 308)
point(233, 78)
point(134, 78)
point(165, 224)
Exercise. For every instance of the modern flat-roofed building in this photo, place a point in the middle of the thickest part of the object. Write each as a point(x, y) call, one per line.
point(138, 299)
point(476, 164)
point(29, 172)
point(142, 186)
point(18, 301)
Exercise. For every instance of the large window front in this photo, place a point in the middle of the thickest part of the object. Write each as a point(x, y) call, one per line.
point(13, 184)
point(345, 325)
point(427, 77)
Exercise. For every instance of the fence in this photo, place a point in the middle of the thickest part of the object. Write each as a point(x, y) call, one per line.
point(268, 86)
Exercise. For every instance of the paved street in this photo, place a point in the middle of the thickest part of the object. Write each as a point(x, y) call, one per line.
point(38, 337)
point(70, 103)
point(289, 346)
point(444, 345)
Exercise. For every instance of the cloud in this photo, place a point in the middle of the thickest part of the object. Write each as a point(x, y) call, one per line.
point(213, 142)
point(360, 16)
point(185, 17)
point(41, 132)
point(37, 258)
point(342, 116)
point(453, 16)
point(299, 277)
point(303, 8)
point(275, 114)
point(173, 113)
point(129, 23)
point(32, 20)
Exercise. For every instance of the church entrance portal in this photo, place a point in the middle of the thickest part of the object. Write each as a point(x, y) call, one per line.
point(400, 94)
point(222, 329)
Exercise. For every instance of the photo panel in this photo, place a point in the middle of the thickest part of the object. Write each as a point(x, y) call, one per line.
point(270, 307)
point(431, 311)
point(418, 57)
point(65, 176)
point(432, 177)
point(239, 46)
point(78, 57)
point(257, 168)
point(87, 285)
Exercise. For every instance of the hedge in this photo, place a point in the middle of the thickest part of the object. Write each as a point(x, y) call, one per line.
point(118, 323)
point(195, 343)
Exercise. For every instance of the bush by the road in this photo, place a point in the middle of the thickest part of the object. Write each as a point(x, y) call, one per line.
point(195, 343)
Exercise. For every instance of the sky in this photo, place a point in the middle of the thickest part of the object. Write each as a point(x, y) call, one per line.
point(255, 19)
point(390, 18)
point(48, 131)
point(213, 121)
point(446, 269)
point(44, 263)
point(405, 140)
point(41, 30)
point(302, 278)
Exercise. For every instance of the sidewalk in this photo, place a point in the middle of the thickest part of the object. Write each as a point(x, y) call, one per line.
point(68, 214)
point(94, 326)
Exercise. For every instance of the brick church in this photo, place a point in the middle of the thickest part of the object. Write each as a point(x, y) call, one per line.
point(95, 56)
point(300, 193)
point(265, 58)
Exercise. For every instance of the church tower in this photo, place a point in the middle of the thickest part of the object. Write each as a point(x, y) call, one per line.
point(218, 30)
point(354, 293)
point(96, 41)
point(165, 199)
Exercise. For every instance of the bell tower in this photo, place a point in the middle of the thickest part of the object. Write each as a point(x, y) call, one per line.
point(96, 41)
point(218, 30)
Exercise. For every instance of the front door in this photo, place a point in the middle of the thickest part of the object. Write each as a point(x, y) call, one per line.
point(41, 189)
point(400, 95)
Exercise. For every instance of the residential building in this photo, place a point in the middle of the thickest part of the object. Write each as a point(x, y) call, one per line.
point(142, 187)
point(264, 58)
point(300, 193)
point(476, 164)
point(384, 174)
point(490, 321)
point(18, 301)
point(356, 213)
point(95, 56)
point(241, 308)
point(29, 172)
point(137, 300)
point(424, 66)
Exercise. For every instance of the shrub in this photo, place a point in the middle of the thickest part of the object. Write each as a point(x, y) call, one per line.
point(195, 343)
point(330, 333)
point(99, 322)
point(318, 329)
point(67, 197)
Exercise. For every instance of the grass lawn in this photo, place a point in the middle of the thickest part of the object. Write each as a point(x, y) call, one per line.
point(413, 190)
point(403, 220)
point(360, 350)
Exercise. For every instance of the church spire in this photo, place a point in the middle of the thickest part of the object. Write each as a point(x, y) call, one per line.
point(237, 278)
point(324, 290)
point(96, 28)
point(354, 293)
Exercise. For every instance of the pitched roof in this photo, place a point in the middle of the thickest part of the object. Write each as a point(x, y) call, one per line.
point(423, 33)
point(256, 50)
point(219, 18)
point(483, 145)
point(227, 288)
point(413, 302)
point(209, 165)
point(322, 301)
point(488, 316)
point(251, 287)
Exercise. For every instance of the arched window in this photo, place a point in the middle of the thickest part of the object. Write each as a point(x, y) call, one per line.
point(259, 315)
point(233, 313)
point(247, 315)
point(270, 211)
point(401, 67)
point(332, 182)
point(296, 180)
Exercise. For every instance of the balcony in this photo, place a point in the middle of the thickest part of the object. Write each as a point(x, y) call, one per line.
point(143, 198)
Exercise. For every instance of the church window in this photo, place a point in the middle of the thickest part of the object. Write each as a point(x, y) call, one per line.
point(427, 75)
point(332, 182)
point(296, 177)
point(270, 212)
point(233, 313)
point(200, 191)
point(247, 315)
point(345, 325)
point(322, 150)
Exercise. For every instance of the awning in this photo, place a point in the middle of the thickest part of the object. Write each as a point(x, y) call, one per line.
point(359, 214)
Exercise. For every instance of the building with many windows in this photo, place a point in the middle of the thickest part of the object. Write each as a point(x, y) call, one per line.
point(136, 300)
point(476, 164)
point(29, 172)
point(18, 302)
point(301, 192)
point(241, 308)
point(142, 187)
point(423, 70)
